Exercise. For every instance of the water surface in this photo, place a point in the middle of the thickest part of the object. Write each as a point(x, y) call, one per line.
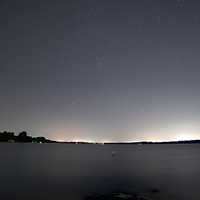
point(70, 172)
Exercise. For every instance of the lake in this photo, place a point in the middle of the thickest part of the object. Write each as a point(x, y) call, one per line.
point(70, 172)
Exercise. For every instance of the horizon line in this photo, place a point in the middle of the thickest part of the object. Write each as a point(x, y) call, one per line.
point(127, 142)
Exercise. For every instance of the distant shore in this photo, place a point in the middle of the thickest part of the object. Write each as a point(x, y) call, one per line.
point(23, 137)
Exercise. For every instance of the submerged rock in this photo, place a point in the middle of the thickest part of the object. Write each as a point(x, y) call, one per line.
point(116, 196)
point(154, 190)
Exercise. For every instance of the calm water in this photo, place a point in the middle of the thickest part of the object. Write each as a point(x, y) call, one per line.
point(65, 171)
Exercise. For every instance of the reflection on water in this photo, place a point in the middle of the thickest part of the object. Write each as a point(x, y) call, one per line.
point(67, 171)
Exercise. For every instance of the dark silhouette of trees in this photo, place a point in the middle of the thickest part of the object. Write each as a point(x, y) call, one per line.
point(23, 134)
point(6, 136)
point(21, 137)
point(39, 139)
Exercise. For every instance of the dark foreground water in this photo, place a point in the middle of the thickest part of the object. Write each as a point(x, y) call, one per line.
point(70, 172)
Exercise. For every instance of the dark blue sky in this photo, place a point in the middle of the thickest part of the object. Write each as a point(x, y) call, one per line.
point(101, 70)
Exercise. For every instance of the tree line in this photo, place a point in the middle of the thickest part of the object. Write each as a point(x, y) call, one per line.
point(23, 137)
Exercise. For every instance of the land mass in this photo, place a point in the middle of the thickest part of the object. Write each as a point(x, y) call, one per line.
point(23, 137)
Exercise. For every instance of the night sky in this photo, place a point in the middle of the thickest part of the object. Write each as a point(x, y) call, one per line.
point(100, 70)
